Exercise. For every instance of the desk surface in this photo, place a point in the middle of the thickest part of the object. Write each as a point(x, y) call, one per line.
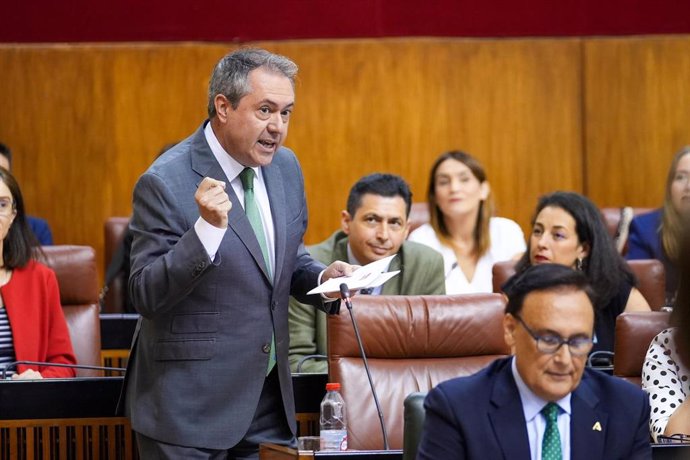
point(670, 451)
point(117, 330)
point(59, 398)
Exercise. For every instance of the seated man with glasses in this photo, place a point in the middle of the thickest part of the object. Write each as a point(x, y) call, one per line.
point(540, 403)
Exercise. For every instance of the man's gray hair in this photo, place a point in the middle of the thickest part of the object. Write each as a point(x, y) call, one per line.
point(230, 77)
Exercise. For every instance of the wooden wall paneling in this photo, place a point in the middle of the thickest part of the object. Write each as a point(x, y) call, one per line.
point(395, 105)
point(86, 120)
point(637, 116)
point(54, 120)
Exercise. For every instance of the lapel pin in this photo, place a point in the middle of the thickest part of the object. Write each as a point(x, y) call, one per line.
point(597, 427)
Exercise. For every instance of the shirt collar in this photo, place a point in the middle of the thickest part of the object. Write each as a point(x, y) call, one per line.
point(531, 403)
point(231, 167)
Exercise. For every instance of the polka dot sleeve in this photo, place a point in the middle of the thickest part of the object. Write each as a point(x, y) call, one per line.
point(665, 379)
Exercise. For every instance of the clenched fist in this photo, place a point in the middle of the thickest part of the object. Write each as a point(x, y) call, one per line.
point(214, 204)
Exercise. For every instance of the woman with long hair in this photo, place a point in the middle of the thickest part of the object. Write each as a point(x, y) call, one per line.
point(657, 235)
point(462, 226)
point(568, 229)
point(32, 324)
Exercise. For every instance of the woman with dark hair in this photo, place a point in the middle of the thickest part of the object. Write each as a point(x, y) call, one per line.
point(462, 227)
point(568, 229)
point(32, 324)
point(657, 235)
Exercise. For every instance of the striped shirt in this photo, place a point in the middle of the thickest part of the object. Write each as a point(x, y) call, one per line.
point(6, 343)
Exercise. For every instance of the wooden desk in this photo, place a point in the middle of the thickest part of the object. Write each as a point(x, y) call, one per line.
point(63, 419)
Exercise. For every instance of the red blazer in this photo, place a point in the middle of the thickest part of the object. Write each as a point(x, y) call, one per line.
point(39, 329)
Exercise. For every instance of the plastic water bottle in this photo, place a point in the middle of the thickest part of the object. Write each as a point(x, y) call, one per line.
point(333, 419)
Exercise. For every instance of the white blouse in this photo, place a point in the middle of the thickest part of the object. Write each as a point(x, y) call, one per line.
point(665, 379)
point(507, 240)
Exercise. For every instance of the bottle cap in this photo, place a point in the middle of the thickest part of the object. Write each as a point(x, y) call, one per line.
point(332, 386)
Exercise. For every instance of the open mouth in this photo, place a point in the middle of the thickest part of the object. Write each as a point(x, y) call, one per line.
point(267, 143)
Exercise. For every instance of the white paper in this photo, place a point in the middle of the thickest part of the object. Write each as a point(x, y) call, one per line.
point(368, 276)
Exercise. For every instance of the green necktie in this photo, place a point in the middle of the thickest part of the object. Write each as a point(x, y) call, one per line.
point(251, 209)
point(551, 444)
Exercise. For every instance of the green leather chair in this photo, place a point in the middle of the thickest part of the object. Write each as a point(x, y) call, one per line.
point(413, 424)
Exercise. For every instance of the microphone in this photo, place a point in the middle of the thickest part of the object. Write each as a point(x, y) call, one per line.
point(452, 267)
point(345, 295)
point(14, 364)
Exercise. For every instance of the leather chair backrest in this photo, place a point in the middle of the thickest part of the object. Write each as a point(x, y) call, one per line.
point(77, 276)
point(501, 272)
point(634, 333)
point(419, 215)
point(650, 274)
point(414, 423)
point(412, 343)
point(651, 281)
point(617, 221)
point(114, 230)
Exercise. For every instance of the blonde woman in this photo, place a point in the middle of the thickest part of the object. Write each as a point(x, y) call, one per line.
point(656, 235)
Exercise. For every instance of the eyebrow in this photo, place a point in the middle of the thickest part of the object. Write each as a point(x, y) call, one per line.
point(552, 332)
point(275, 104)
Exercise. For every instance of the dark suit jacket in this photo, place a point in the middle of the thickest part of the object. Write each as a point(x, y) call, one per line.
point(644, 242)
point(481, 417)
point(41, 229)
point(200, 351)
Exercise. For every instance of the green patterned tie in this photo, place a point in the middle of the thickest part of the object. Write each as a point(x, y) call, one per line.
point(551, 444)
point(251, 209)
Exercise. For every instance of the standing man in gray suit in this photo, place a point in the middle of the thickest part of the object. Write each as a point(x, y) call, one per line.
point(218, 223)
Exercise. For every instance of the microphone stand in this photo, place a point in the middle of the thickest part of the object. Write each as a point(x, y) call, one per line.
point(345, 294)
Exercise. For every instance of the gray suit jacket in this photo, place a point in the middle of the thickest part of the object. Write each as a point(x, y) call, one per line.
point(200, 353)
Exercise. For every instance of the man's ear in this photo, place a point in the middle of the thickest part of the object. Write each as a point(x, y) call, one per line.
point(345, 220)
point(222, 106)
point(509, 326)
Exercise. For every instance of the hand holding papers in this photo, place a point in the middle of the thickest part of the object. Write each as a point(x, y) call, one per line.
point(369, 276)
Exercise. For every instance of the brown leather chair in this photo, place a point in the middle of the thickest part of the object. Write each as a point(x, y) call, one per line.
point(419, 215)
point(114, 230)
point(500, 272)
point(412, 343)
point(634, 333)
point(75, 269)
point(651, 281)
point(617, 222)
point(650, 274)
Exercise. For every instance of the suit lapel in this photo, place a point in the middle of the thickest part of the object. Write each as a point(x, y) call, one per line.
point(276, 197)
point(587, 425)
point(205, 165)
point(507, 416)
point(394, 285)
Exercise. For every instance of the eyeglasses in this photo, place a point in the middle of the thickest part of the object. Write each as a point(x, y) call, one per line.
point(6, 206)
point(551, 343)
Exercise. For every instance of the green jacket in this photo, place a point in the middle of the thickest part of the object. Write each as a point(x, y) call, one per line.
point(421, 274)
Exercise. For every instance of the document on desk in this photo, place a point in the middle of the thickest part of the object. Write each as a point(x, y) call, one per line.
point(368, 276)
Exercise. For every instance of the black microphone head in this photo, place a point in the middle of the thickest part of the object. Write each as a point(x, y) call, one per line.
point(344, 291)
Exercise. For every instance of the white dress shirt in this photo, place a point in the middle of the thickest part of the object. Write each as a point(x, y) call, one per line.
point(536, 423)
point(212, 236)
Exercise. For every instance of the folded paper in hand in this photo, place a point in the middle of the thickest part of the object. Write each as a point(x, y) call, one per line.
point(369, 276)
